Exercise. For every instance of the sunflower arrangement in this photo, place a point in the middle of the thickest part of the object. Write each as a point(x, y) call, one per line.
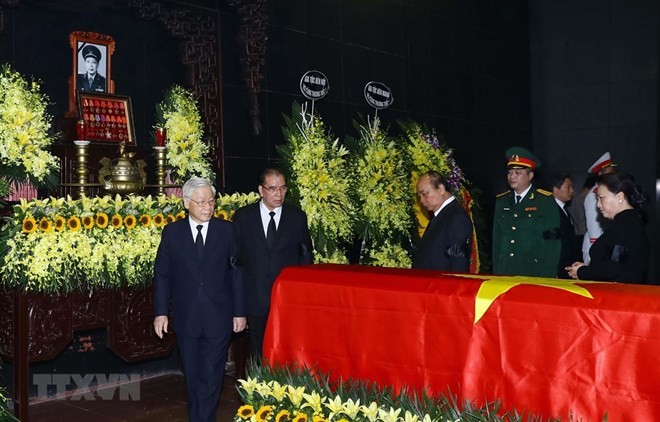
point(24, 138)
point(292, 394)
point(319, 175)
point(381, 189)
point(187, 153)
point(56, 245)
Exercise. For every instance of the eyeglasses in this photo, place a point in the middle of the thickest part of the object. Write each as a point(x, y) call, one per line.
point(202, 204)
point(273, 189)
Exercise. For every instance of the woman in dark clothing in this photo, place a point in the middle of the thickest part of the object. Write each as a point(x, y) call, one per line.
point(622, 252)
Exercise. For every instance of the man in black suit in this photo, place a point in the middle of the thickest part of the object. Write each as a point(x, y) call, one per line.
point(562, 191)
point(271, 235)
point(445, 244)
point(195, 270)
point(91, 81)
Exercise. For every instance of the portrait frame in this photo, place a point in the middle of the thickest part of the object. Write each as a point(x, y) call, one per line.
point(104, 44)
point(108, 118)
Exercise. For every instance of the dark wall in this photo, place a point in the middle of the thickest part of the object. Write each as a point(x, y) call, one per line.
point(458, 66)
point(594, 72)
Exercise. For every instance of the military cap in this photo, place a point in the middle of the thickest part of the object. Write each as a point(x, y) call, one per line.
point(605, 160)
point(519, 157)
point(91, 51)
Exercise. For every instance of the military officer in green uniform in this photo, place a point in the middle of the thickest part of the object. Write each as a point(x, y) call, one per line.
point(526, 224)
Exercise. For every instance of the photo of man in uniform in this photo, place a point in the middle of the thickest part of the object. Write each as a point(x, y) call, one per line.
point(91, 80)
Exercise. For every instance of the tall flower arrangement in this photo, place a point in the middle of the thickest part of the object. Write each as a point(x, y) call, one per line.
point(57, 245)
point(24, 138)
point(187, 153)
point(426, 152)
point(381, 188)
point(320, 179)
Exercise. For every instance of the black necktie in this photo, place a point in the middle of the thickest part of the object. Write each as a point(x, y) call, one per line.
point(567, 214)
point(518, 199)
point(270, 232)
point(199, 241)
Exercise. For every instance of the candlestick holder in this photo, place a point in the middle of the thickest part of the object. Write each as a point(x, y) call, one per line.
point(160, 155)
point(81, 170)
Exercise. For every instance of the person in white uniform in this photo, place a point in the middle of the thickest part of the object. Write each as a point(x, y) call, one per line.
point(592, 216)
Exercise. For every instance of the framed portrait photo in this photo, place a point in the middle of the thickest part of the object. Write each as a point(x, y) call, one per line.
point(92, 70)
point(107, 118)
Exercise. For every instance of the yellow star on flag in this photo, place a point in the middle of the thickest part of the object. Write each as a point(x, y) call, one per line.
point(495, 286)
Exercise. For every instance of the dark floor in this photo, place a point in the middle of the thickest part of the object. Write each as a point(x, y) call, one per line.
point(161, 399)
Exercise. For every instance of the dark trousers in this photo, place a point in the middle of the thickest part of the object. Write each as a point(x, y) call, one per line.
point(257, 329)
point(203, 367)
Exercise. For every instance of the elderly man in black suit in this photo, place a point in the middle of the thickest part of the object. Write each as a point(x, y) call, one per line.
point(195, 272)
point(91, 80)
point(271, 235)
point(445, 244)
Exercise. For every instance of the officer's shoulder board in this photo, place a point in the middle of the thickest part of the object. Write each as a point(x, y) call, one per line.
point(502, 194)
point(544, 192)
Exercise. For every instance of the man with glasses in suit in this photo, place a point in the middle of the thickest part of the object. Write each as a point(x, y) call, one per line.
point(271, 235)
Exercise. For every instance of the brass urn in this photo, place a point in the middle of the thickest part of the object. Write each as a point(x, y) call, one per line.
point(122, 175)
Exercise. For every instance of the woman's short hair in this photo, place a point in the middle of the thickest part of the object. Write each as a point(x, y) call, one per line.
point(624, 183)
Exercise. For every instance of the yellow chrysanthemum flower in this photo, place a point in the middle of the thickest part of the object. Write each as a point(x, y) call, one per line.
point(245, 412)
point(159, 220)
point(116, 221)
point(264, 412)
point(73, 223)
point(88, 222)
point(145, 220)
point(102, 220)
point(45, 225)
point(29, 225)
point(130, 221)
point(283, 416)
point(59, 223)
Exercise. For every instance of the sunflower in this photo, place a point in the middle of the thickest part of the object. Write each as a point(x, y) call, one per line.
point(145, 220)
point(116, 221)
point(300, 417)
point(45, 225)
point(221, 214)
point(130, 221)
point(263, 412)
point(29, 225)
point(181, 215)
point(102, 220)
point(319, 419)
point(171, 218)
point(245, 412)
point(88, 222)
point(283, 416)
point(59, 223)
point(159, 220)
point(73, 223)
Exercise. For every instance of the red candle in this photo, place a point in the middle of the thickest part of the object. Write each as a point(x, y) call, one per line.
point(81, 130)
point(161, 136)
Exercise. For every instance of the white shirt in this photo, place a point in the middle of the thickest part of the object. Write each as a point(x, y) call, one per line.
point(561, 205)
point(444, 204)
point(193, 229)
point(265, 216)
point(594, 229)
point(523, 194)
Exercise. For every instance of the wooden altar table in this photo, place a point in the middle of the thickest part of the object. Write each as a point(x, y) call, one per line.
point(544, 346)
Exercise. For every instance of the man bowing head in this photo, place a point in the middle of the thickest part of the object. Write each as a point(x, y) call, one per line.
point(195, 272)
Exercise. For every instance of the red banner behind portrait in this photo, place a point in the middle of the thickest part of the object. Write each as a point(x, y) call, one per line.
point(543, 346)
